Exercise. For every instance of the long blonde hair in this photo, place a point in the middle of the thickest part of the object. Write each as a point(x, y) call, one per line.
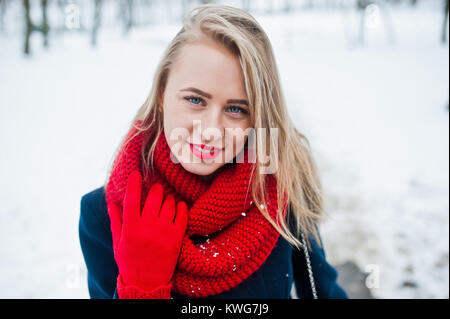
point(296, 175)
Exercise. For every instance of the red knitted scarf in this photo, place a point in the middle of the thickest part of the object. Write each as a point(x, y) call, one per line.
point(227, 238)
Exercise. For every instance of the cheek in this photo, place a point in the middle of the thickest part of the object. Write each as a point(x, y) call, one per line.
point(239, 144)
point(236, 141)
point(177, 116)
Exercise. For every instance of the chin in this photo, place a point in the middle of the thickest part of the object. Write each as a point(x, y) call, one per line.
point(202, 169)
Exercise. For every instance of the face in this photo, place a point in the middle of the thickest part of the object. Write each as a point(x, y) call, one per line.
point(205, 108)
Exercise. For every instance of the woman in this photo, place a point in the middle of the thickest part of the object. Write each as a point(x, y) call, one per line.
point(190, 209)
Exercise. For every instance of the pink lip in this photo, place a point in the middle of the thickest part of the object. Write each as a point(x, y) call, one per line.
point(203, 146)
point(203, 155)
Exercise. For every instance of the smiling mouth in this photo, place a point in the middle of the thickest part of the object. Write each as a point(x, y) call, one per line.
point(203, 151)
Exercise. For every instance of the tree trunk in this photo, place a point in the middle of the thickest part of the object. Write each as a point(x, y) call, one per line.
point(128, 16)
point(97, 17)
point(2, 14)
point(444, 24)
point(44, 26)
point(28, 26)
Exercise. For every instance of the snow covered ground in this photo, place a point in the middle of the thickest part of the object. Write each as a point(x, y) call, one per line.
point(376, 117)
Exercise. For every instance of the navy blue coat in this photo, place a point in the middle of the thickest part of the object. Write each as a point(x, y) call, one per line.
point(284, 266)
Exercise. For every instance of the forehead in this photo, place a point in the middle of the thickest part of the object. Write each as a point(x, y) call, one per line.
point(210, 67)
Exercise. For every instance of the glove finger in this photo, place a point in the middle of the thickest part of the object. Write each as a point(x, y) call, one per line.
point(132, 201)
point(115, 214)
point(181, 218)
point(153, 202)
point(167, 211)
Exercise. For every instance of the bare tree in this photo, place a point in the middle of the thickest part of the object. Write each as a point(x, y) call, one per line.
point(361, 6)
point(2, 14)
point(28, 26)
point(444, 24)
point(97, 21)
point(128, 7)
point(44, 25)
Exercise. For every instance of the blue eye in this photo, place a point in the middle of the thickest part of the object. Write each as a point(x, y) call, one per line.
point(190, 98)
point(238, 109)
point(198, 101)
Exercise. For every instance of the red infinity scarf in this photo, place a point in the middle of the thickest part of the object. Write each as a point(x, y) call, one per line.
point(238, 237)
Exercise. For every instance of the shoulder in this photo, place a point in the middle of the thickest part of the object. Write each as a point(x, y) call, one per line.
point(94, 200)
point(93, 208)
point(96, 244)
point(324, 274)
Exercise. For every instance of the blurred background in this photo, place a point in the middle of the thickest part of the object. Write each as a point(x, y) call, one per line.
point(367, 81)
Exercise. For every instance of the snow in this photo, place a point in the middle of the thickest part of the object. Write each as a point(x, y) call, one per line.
point(375, 116)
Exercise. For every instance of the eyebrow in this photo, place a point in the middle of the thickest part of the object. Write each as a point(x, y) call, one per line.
point(209, 96)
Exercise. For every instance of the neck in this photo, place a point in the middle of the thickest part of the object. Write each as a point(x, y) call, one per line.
point(210, 177)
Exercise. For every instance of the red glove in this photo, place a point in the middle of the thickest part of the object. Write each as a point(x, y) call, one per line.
point(146, 245)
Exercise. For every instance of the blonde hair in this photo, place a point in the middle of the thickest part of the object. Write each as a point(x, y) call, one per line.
point(296, 174)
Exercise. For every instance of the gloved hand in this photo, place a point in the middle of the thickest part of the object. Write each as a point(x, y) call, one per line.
point(147, 245)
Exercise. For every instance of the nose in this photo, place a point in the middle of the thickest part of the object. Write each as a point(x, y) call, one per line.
point(212, 125)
